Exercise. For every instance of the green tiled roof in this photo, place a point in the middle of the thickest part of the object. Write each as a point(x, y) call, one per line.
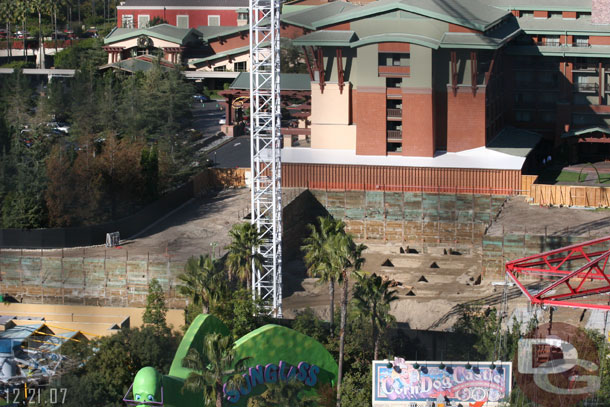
point(492, 39)
point(308, 17)
point(514, 141)
point(234, 51)
point(550, 5)
point(213, 32)
point(555, 24)
point(398, 37)
point(561, 51)
point(138, 64)
point(588, 130)
point(329, 38)
point(162, 31)
point(288, 81)
point(468, 13)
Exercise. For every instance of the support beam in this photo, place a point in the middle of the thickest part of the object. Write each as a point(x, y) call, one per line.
point(454, 73)
point(576, 271)
point(308, 63)
point(340, 72)
point(473, 72)
point(320, 65)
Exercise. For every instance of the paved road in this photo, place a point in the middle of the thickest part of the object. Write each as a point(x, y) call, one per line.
point(236, 153)
point(206, 116)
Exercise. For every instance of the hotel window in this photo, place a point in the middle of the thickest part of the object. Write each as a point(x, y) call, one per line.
point(242, 15)
point(394, 59)
point(581, 41)
point(552, 41)
point(213, 20)
point(182, 21)
point(239, 66)
point(127, 21)
point(143, 21)
point(222, 68)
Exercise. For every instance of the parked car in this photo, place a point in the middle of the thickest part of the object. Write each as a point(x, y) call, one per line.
point(63, 127)
point(201, 98)
point(21, 34)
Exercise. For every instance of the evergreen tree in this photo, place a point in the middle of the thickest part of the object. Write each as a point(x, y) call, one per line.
point(155, 311)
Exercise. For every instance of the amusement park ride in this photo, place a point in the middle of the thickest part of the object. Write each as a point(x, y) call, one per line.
point(573, 273)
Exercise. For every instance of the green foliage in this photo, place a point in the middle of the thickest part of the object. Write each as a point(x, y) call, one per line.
point(213, 364)
point(204, 283)
point(122, 151)
point(150, 171)
point(18, 65)
point(83, 54)
point(155, 311)
point(372, 298)
point(111, 364)
point(240, 312)
point(306, 322)
point(291, 57)
point(480, 331)
point(243, 251)
point(156, 20)
point(355, 389)
point(285, 393)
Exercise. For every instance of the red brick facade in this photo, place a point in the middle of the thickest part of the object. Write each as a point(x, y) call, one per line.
point(197, 18)
point(370, 112)
point(465, 119)
point(418, 123)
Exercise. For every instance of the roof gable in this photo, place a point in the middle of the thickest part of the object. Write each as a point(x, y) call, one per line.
point(467, 13)
point(165, 32)
point(308, 18)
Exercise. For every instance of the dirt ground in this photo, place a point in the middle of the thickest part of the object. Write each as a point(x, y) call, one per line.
point(517, 216)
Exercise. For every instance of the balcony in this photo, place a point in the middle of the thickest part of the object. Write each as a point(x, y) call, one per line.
point(394, 136)
point(394, 113)
point(583, 67)
point(586, 87)
point(389, 71)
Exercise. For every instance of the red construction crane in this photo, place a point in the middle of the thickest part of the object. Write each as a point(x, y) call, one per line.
point(576, 271)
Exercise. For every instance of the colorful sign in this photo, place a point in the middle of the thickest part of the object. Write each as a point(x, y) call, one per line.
point(413, 384)
point(303, 372)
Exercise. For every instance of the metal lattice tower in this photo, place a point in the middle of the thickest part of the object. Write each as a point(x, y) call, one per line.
point(265, 141)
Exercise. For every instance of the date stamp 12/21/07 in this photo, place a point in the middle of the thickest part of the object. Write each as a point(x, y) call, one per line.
point(33, 395)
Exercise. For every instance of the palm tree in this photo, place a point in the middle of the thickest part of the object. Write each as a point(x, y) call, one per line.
point(40, 7)
point(317, 256)
point(243, 252)
point(285, 393)
point(211, 366)
point(372, 297)
point(346, 255)
point(203, 281)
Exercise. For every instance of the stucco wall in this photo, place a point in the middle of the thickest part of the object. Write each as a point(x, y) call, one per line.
point(334, 137)
point(332, 106)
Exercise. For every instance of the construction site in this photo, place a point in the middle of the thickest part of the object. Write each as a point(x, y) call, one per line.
point(443, 250)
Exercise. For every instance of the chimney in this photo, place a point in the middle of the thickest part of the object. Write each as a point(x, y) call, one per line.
point(600, 12)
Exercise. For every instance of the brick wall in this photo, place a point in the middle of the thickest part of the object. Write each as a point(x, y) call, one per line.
point(598, 40)
point(541, 14)
point(370, 109)
point(465, 119)
point(418, 123)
